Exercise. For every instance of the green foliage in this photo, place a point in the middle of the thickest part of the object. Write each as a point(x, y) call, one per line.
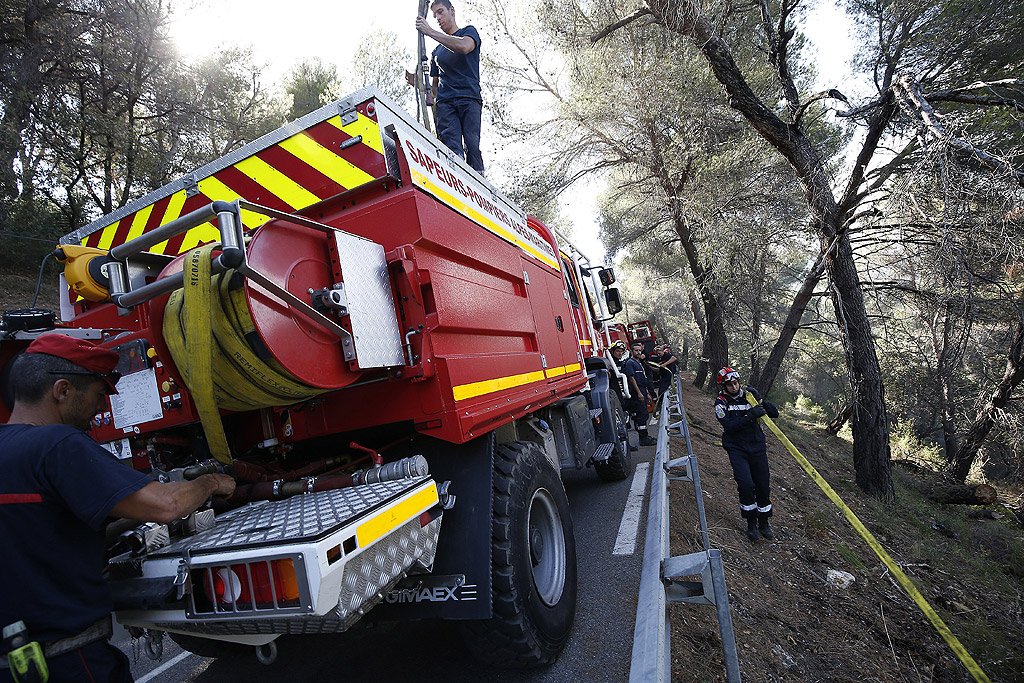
point(379, 61)
point(806, 409)
point(906, 445)
point(231, 106)
point(850, 556)
point(311, 83)
point(28, 231)
point(817, 369)
point(99, 109)
point(945, 42)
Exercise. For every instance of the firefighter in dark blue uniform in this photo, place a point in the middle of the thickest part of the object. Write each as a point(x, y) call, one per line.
point(636, 405)
point(57, 488)
point(743, 440)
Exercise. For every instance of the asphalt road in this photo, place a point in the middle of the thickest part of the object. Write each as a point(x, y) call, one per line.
point(599, 648)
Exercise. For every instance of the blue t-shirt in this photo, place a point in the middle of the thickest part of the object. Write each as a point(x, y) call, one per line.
point(459, 74)
point(57, 486)
point(632, 368)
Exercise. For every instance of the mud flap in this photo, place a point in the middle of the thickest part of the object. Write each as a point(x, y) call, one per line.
point(601, 388)
point(459, 587)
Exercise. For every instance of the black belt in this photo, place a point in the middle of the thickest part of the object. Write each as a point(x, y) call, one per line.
point(101, 630)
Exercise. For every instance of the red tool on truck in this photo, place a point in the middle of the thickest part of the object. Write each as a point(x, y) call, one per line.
point(392, 359)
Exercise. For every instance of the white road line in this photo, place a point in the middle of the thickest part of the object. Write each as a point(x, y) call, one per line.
point(625, 542)
point(162, 668)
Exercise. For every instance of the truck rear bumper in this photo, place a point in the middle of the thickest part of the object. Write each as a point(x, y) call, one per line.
point(313, 563)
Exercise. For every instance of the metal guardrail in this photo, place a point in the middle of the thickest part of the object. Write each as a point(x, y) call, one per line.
point(662, 577)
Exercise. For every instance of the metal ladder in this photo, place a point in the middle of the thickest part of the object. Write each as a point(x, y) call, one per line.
point(662, 577)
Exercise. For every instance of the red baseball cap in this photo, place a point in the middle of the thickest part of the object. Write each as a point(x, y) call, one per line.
point(94, 359)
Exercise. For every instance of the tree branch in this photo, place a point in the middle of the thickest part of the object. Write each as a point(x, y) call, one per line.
point(817, 97)
point(603, 33)
point(977, 85)
point(778, 38)
point(912, 101)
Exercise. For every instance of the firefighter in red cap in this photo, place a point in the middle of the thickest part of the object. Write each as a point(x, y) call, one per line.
point(743, 440)
point(57, 488)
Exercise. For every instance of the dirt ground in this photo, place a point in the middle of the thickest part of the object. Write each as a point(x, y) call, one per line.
point(790, 624)
point(18, 286)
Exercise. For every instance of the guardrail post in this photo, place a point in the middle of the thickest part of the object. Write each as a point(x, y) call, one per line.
point(662, 577)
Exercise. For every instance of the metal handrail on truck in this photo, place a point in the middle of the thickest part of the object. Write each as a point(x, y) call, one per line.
point(662, 576)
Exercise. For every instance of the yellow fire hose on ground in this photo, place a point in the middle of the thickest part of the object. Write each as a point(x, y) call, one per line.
point(205, 325)
point(904, 581)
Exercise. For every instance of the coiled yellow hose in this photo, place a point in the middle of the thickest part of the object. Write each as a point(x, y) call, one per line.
point(205, 326)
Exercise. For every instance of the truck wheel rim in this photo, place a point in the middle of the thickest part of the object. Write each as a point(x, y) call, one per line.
point(547, 547)
point(622, 433)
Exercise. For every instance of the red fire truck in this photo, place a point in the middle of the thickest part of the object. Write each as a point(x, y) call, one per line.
point(632, 332)
point(393, 360)
point(643, 332)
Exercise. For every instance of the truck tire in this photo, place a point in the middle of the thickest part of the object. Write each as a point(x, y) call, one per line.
point(619, 464)
point(533, 563)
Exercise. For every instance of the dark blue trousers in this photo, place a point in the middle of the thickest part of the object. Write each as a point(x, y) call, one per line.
point(637, 408)
point(458, 120)
point(750, 469)
point(97, 662)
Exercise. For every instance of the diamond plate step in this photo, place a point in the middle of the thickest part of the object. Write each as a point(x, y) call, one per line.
point(603, 452)
point(305, 517)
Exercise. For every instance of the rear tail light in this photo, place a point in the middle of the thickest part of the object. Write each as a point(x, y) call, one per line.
point(249, 586)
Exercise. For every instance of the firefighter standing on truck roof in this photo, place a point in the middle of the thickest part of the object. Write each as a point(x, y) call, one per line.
point(57, 487)
point(743, 440)
point(455, 82)
point(636, 405)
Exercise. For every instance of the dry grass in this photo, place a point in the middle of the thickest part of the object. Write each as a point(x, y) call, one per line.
point(791, 626)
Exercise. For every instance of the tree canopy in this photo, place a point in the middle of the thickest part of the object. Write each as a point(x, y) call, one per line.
point(728, 166)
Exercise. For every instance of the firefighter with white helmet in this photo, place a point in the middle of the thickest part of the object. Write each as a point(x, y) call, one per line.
point(744, 441)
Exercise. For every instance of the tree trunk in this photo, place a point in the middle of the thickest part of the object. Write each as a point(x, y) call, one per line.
point(870, 422)
point(981, 494)
point(770, 371)
point(701, 374)
point(716, 342)
point(947, 356)
point(715, 351)
point(871, 456)
point(755, 320)
point(986, 418)
point(840, 419)
point(698, 314)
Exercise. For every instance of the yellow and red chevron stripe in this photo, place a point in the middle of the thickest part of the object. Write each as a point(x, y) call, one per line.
point(289, 175)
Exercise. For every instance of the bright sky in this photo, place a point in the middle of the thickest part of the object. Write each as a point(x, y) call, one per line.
point(284, 33)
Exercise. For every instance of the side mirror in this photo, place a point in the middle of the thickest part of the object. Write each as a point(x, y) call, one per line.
point(606, 276)
point(612, 299)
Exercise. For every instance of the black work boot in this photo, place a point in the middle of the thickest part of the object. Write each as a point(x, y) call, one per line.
point(752, 532)
point(766, 529)
point(646, 440)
